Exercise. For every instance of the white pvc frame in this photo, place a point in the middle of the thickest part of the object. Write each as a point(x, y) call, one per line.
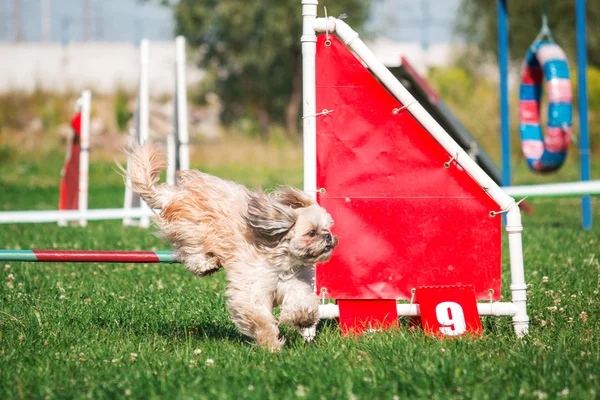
point(84, 156)
point(311, 25)
point(178, 154)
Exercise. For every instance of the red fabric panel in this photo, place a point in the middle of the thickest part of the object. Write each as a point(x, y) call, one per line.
point(356, 316)
point(403, 220)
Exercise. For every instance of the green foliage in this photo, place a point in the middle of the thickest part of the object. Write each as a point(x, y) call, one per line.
point(478, 26)
point(122, 113)
point(251, 50)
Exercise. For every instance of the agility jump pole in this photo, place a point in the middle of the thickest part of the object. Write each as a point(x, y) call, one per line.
point(326, 311)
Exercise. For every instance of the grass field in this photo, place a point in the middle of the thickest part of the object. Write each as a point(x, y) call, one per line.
point(150, 331)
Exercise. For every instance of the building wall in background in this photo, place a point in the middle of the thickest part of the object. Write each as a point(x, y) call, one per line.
point(102, 67)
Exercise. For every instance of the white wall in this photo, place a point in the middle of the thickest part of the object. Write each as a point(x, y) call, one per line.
point(102, 67)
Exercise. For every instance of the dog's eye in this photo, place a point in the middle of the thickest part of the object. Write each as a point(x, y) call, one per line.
point(312, 233)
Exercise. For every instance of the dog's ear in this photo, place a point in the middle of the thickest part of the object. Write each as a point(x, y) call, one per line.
point(269, 219)
point(293, 197)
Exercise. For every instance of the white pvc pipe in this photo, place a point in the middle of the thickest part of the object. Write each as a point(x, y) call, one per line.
point(171, 159)
point(497, 309)
point(309, 128)
point(128, 204)
point(84, 156)
point(18, 217)
point(144, 110)
point(181, 107)
point(555, 189)
point(518, 287)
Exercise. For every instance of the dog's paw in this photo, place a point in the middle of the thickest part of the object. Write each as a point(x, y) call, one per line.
point(309, 333)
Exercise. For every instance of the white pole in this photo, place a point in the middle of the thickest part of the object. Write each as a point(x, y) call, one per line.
point(144, 110)
point(555, 189)
point(19, 217)
point(133, 138)
point(171, 159)
point(309, 127)
point(518, 287)
point(84, 157)
point(181, 107)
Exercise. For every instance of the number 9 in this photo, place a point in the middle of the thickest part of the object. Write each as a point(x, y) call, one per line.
point(452, 318)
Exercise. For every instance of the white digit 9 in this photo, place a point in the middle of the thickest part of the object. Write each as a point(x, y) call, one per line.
point(452, 318)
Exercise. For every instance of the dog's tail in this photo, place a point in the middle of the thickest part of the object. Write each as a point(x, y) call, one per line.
point(146, 162)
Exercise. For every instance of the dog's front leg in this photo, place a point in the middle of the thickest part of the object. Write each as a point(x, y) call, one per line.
point(300, 305)
point(251, 309)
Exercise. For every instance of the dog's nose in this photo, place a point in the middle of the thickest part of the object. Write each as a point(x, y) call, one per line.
point(328, 237)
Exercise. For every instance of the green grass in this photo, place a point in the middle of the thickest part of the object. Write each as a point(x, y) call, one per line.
point(71, 330)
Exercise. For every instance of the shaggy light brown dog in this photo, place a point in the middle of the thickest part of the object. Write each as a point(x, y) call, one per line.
point(267, 244)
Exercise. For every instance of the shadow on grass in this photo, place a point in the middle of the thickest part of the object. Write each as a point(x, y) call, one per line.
point(217, 330)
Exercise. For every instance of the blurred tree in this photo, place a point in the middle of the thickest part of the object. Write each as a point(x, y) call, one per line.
point(477, 24)
point(251, 52)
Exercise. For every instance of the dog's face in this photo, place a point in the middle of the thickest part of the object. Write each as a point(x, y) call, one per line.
point(291, 221)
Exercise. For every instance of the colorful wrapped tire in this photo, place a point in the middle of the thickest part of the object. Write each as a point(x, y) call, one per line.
point(545, 61)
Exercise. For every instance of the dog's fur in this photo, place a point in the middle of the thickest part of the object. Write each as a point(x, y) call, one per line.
point(267, 243)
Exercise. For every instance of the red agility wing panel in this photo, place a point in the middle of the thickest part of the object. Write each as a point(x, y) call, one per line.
point(403, 220)
point(356, 316)
point(69, 180)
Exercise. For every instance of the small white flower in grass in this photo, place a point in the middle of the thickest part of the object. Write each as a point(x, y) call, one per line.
point(250, 388)
point(6, 267)
point(552, 309)
point(210, 362)
point(583, 315)
point(193, 363)
point(564, 392)
point(62, 297)
point(540, 395)
point(133, 356)
point(300, 391)
point(198, 352)
point(544, 279)
point(9, 285)
point(159, 285)
point(396, 397)
point(443, 350)
point(10, 277)
point(127, 393)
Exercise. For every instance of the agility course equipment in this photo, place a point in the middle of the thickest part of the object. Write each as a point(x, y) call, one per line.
point(74, 184)
point(582, 96)
point(545, 61)
point(75, 174)
point(87, 256)
point(178, 155)
point(403, 193)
